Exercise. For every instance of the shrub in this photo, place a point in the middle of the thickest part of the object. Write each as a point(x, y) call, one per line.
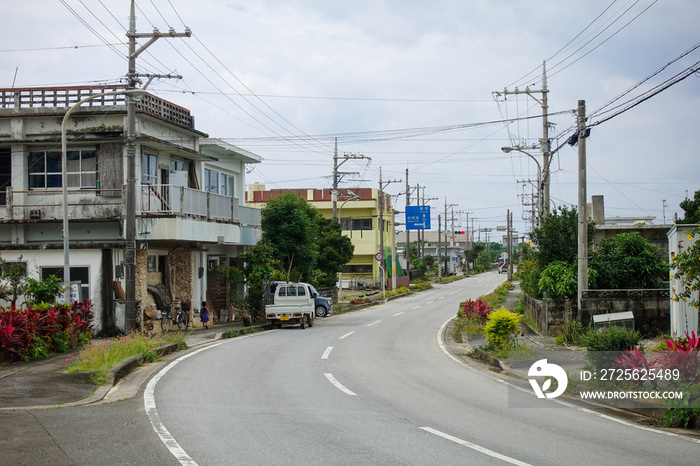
point(571, 333)
point(610, 338)
point(502, 325)
point(403, 290)
point(475, 310)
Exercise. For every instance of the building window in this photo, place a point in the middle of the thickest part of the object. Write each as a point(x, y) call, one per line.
point(152, 264)
point(77, 274)
point(149, 168)
point(211, 181)
point(360, 224)
point(5, 173)
point(227, 185)
point(178, 165)
point(357, 269)
point(44, 169)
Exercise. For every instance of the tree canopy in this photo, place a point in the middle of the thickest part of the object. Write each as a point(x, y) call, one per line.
point(691, 207)
point(628, 261)
point(557, 237)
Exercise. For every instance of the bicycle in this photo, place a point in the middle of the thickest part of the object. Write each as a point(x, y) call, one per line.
point(181, 319)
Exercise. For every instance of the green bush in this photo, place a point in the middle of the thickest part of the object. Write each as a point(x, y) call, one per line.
point(603, 346)
point(502, 325)
point(571, 333)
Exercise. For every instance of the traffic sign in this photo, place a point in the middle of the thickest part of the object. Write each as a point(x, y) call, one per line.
point(379, 256)
point(418, 217)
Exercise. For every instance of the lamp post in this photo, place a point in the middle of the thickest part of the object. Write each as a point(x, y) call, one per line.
point(539, 178)
point(354, 197)
point(130, 93)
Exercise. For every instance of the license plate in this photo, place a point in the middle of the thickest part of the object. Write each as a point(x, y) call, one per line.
point(284, 317)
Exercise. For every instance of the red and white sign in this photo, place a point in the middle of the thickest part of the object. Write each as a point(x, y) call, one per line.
point(379, 256)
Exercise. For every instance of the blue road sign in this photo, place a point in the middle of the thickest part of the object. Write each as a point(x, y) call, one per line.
point(418, 217)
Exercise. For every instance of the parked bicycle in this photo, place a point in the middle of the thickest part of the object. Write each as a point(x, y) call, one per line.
point(180, 319)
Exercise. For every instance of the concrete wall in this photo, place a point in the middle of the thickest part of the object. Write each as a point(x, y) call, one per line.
point(651, 309)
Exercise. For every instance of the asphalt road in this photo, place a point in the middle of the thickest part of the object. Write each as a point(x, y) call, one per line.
point(375, 387)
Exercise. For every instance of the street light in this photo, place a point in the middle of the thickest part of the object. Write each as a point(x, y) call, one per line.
point(354, 197)
point(539, 178)
point(135, 94)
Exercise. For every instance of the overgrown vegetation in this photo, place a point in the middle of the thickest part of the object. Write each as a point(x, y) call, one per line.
point(100, 356)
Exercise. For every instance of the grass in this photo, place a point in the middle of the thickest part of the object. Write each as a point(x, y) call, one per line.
point(100, 356)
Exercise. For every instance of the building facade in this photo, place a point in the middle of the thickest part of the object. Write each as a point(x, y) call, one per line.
point(189, 221)
point(361, 220)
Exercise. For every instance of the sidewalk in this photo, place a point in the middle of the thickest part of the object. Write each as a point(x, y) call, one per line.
point(46, 383)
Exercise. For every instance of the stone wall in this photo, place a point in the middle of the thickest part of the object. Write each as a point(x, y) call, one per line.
point(651, 309)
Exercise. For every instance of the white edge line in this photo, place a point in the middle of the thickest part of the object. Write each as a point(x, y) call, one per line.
point(149, 402)
point(339, 385)
point(327, 352)
point(397, 314)
point(442, 346)
point(346, 335)
point(476, 447)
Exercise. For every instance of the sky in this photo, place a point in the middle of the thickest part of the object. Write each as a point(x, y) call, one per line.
point(411, 85)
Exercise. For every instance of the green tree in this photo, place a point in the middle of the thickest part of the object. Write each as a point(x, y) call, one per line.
point(290, 228)
point(686, 268)
point(557, 237)
point(13, 276)
point(691, 207)
point(44, 291)
point(628, 261)
point(258, 272)
point(334, 251)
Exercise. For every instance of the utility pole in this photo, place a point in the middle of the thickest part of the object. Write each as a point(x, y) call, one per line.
point(439, 247)
point(509, 248)
point(422, 249)
point(453, 232)
point(338, 175)
point(407, 252)
point(582, 215)
point(544, 142)
point(130, 221)
point(382, 184)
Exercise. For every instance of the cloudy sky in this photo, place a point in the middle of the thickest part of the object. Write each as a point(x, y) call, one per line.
point(409, 84)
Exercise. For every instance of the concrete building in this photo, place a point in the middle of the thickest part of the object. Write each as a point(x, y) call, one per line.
point(359, 217)
point(188, 216)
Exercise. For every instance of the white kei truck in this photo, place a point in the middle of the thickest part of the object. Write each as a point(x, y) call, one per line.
point(293, 303)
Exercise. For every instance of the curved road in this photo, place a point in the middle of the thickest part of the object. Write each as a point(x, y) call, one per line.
point(372, 387)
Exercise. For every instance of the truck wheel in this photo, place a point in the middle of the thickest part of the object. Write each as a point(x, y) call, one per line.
point(310, 320)
point(321, 311)
point(302, 323)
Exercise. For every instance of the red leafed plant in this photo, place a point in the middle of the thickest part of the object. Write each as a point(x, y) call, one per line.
point(478, 309)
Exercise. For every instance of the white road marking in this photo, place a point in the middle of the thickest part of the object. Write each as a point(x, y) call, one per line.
point(476, 447)
point(456, 291)
point(441, 297)
point(441, 344)
point(346, 335)
point(338, 385)
point(327, 352)
point(397, 314)
point(416, 307)
point(431, 302)
point(374, 323)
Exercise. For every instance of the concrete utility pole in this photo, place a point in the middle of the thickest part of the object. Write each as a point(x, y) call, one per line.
point(509, 248)
point(382, 184)
point(453, 232)
point(544, 142)
point(439, 247)
point(582, 215)
point(407, 252)
point(421, 251)
point(130, 222)
point(338, 175)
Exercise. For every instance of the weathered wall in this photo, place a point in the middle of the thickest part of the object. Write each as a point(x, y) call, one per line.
point(651, 309)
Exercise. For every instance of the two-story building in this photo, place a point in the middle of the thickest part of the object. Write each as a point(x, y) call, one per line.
point(188, 217)
point(358, 212)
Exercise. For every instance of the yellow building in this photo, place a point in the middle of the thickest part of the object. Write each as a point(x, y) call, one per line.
point(359, 215)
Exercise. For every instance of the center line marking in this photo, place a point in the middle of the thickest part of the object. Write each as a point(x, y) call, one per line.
point(431, 302)
point(441, 297)
point(415, 307)
point(338, 385)
point(374, 323)
point(476, 447)
point(397, 314)
point(327, 352)
point(346, 335)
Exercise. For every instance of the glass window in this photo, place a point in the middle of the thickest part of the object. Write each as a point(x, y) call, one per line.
point(149, 169)
point(211, 181)
point(45, 170)
point(81, 274)
point(227, 185)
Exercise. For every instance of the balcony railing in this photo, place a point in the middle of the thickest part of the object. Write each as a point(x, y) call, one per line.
point(168, 199)
point(154, 200)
